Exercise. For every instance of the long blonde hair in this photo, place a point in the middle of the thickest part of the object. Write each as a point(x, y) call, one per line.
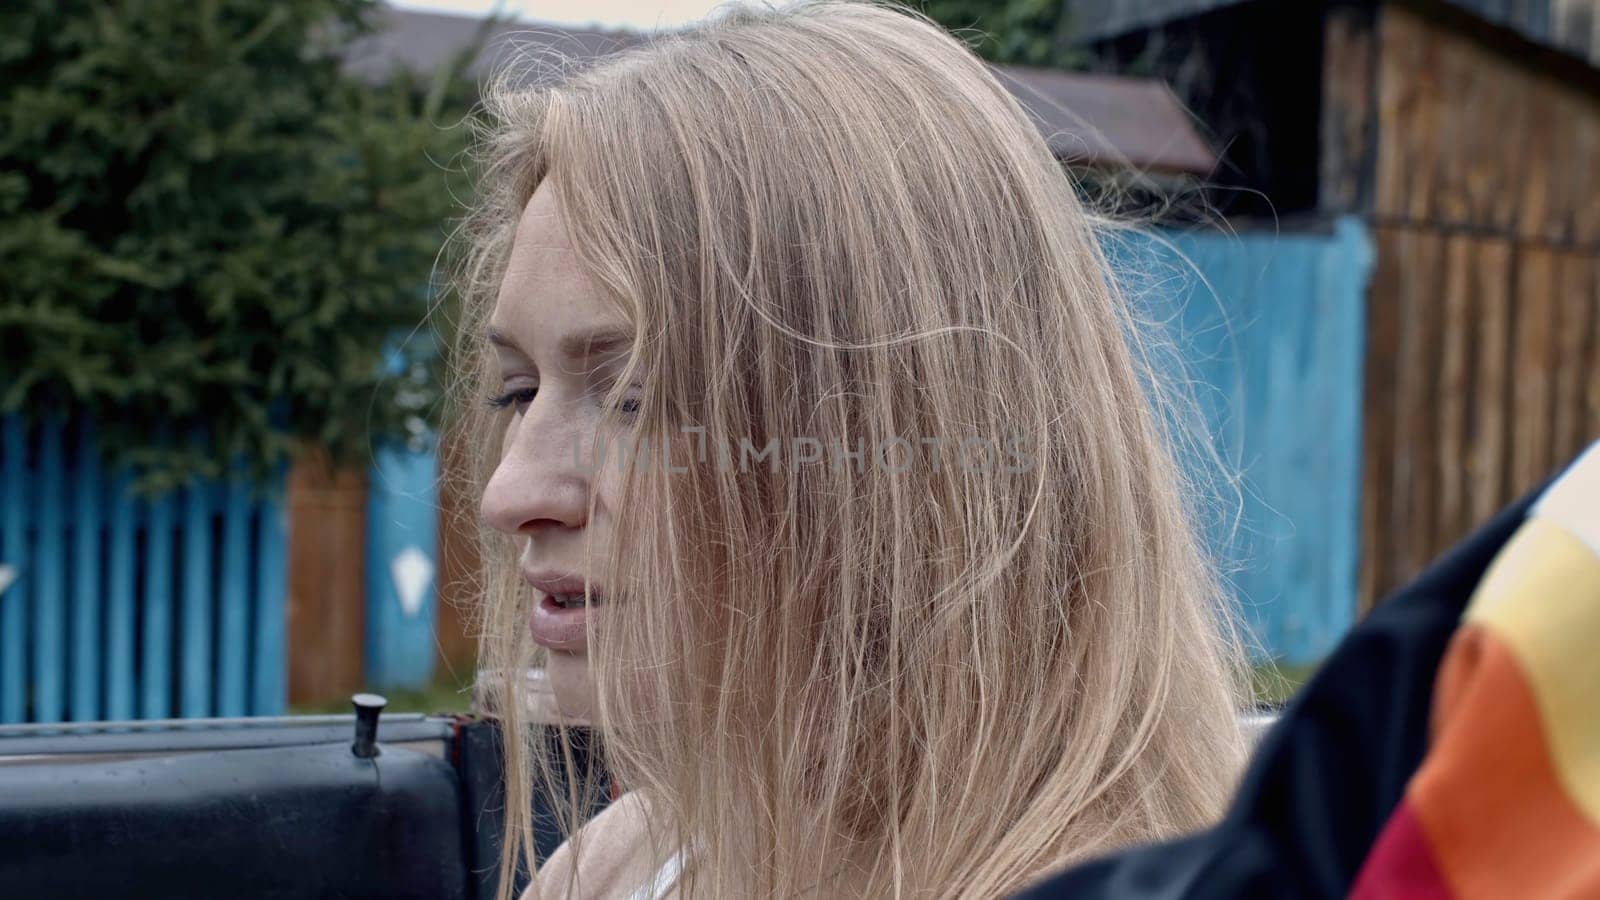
point(916, 676)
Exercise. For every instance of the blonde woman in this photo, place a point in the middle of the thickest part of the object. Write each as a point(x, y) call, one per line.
point(822, 471)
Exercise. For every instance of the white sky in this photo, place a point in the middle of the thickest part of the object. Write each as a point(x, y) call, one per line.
point(641, 14)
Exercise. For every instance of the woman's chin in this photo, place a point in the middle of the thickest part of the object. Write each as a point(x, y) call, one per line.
point(573, 685)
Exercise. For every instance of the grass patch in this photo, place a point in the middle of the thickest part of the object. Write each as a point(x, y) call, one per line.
point(1273, 683)
point(445, 694)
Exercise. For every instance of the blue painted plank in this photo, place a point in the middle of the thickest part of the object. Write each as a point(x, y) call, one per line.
point(49, 567)
point(155, 658)
point(85, 646)
point(14, 505)
point(1350, 269)
point(233, 646)
point(402, 513)
point(195, 679)
point(121, 629)
point(269, 678)
point(1271, 327)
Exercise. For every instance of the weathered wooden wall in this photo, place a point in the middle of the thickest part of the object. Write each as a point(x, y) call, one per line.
point(327, 540)
point(1483, 363)
point(1570, 25)
point(458, 559)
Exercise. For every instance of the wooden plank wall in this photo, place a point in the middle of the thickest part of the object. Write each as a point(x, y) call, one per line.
point(327, 546)
point(349, 628)
point(1571, 25)
point(457, 560)
point(1483, 364)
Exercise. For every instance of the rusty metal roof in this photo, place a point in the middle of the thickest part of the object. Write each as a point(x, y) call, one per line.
point(1101, 121)
point(1110, 121)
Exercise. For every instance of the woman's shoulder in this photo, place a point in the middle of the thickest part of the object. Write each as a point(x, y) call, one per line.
point(611, 856)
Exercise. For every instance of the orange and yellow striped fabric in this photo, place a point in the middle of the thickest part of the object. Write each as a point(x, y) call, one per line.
point(1506, 802)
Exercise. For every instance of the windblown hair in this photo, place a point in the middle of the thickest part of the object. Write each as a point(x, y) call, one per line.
point(898, 675)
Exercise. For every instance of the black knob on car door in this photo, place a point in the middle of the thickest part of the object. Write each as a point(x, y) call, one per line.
point(368, 706)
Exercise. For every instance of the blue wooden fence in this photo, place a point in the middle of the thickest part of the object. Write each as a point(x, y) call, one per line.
point(402, 539)
point(402, 525)
point(122, 607)
point(116, 606)
point(1271, 328)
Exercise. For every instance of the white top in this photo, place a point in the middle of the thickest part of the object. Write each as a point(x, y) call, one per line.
point(617, 861)
point(661, 883)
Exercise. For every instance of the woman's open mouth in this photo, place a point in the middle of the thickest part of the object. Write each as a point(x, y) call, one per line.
point(560, 620)
point(574, 601)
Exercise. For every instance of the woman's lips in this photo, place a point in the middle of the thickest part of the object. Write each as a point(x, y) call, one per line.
point(558, 628)
point(553, 625)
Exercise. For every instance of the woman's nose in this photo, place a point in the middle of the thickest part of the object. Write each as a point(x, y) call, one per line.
point(537, 483)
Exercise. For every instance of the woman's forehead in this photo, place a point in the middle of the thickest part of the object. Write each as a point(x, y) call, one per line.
point(541, 248)
point(545, 295)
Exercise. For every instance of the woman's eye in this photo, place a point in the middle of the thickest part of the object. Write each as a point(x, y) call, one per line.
point(629, 403)
point(519, 398)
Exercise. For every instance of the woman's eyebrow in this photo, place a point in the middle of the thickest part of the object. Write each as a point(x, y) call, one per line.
point(585, 344)
point(578, 347)
point(499, 338)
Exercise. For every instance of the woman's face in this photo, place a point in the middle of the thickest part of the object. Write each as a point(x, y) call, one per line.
point(558, 344)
